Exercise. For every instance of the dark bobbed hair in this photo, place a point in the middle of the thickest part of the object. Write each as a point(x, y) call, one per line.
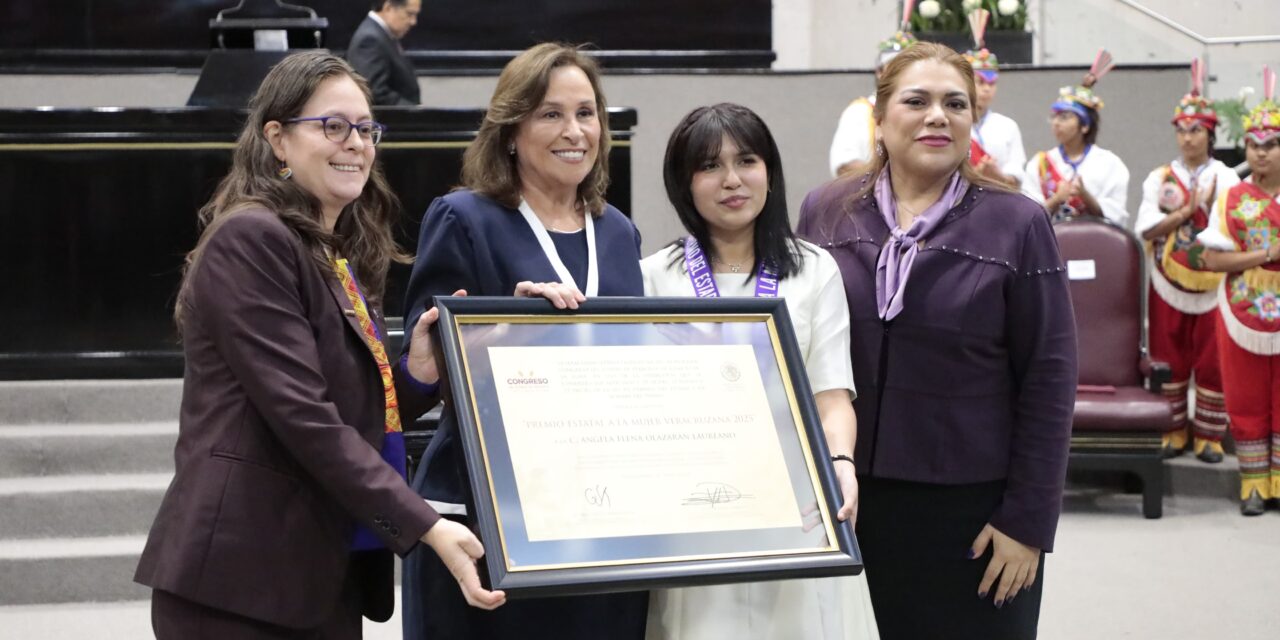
point(888, 83)
point(1091, 136)
point(362, 233)
point(488, 168)
point(377, 5)
point(696, 140)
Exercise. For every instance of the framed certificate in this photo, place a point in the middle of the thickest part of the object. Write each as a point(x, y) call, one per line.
point(639, 443)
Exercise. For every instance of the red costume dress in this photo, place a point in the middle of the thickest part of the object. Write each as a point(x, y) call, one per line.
point(1246, 218)
point(1183, 297)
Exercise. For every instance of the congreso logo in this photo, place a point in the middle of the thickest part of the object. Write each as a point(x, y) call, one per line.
point(527, 379)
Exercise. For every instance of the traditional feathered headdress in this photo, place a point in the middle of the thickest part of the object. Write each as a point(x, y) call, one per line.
point(898, 42)
point(1075, 99)
point(983, 61)
point(1194, 106)
point(1263, 122)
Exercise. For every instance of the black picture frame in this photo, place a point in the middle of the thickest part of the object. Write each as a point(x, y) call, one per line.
point(469, 326)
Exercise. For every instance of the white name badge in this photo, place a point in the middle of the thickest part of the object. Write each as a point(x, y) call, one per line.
point(1081, 270)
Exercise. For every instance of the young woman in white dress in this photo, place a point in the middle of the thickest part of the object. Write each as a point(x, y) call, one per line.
point(723, 175)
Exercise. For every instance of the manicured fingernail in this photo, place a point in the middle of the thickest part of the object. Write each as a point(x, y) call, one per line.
point(969, 553)
point(999, 604)
point(1012, 596)
point(982, 595)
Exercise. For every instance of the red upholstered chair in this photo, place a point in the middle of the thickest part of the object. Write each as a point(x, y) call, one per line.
point(1120, 414)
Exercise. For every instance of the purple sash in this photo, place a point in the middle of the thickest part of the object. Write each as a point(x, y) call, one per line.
point(704, 283)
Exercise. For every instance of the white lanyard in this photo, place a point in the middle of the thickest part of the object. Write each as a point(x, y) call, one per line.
point(553, 256)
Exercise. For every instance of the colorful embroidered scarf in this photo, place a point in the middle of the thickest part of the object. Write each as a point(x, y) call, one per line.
point(393, 443)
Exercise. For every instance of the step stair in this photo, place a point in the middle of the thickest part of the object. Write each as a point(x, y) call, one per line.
point(83, 467)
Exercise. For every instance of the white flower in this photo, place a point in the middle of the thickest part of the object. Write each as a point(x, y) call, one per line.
point(970, 5)
point(930, 9)
point(1245, 92)
point(1008, 7)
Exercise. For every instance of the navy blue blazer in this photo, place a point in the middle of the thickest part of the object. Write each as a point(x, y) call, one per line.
point(471, 242)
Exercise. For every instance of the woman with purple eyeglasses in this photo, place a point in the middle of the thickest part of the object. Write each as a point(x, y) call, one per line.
point(289, 496)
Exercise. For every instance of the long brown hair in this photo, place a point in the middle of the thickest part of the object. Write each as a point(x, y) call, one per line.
point(888, 83)
point(362, 233)
point(488, 168)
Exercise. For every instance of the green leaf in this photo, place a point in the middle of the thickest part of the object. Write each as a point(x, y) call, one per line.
point(1231, 112)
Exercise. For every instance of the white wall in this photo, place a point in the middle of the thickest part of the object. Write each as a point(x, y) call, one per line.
point(842, 34)
point(831, 34)
point(1134, 37)
point(801, 109)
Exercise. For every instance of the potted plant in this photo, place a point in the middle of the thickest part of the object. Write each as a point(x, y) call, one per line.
point(1231, 112)
point(945, 22)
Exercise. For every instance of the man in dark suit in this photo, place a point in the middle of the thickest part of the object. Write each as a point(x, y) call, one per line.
point(375, 52)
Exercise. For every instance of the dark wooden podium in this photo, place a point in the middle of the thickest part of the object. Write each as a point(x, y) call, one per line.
point(98, 209)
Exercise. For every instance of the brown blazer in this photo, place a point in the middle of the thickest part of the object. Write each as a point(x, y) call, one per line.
point(281, 424)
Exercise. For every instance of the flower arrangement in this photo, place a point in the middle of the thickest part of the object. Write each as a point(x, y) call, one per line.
point(950, 15)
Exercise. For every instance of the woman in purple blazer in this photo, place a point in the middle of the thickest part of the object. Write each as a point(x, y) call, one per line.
point(964, 352)
point(288, 497)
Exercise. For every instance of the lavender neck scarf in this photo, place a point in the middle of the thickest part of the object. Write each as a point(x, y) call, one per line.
point(893, 268)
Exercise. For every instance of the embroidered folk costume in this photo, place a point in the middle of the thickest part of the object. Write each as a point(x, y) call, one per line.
point(856, 132)
point(1100, 171)
point(1183, 296)
point(994, 135)
point(1247, 219)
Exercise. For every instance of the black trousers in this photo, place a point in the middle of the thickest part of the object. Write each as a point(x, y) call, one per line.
point(915, 540)
point(435, 609)
point(176, 618)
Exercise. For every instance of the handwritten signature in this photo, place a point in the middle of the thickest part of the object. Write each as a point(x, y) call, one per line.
point(713, 493)
point(598, 496)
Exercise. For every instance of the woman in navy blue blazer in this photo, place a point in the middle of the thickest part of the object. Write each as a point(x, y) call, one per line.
point(531, 220)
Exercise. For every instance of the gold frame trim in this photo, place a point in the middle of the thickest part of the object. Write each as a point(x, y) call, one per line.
point(1120, 442)
point(829, 529)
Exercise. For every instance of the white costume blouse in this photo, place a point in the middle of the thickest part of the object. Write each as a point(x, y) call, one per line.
point(1001, 138)
point(1103, 173)
point(821, 608)
point(1214, 172)
point(855, 134)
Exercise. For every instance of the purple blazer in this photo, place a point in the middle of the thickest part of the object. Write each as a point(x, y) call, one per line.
point(975, 379)
point(279, 434)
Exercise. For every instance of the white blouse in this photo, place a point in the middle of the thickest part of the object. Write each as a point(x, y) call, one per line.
point(1102, 172)
point(854, 135)
point(815, 301)
point(1216, 173)
point(1001, 138)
